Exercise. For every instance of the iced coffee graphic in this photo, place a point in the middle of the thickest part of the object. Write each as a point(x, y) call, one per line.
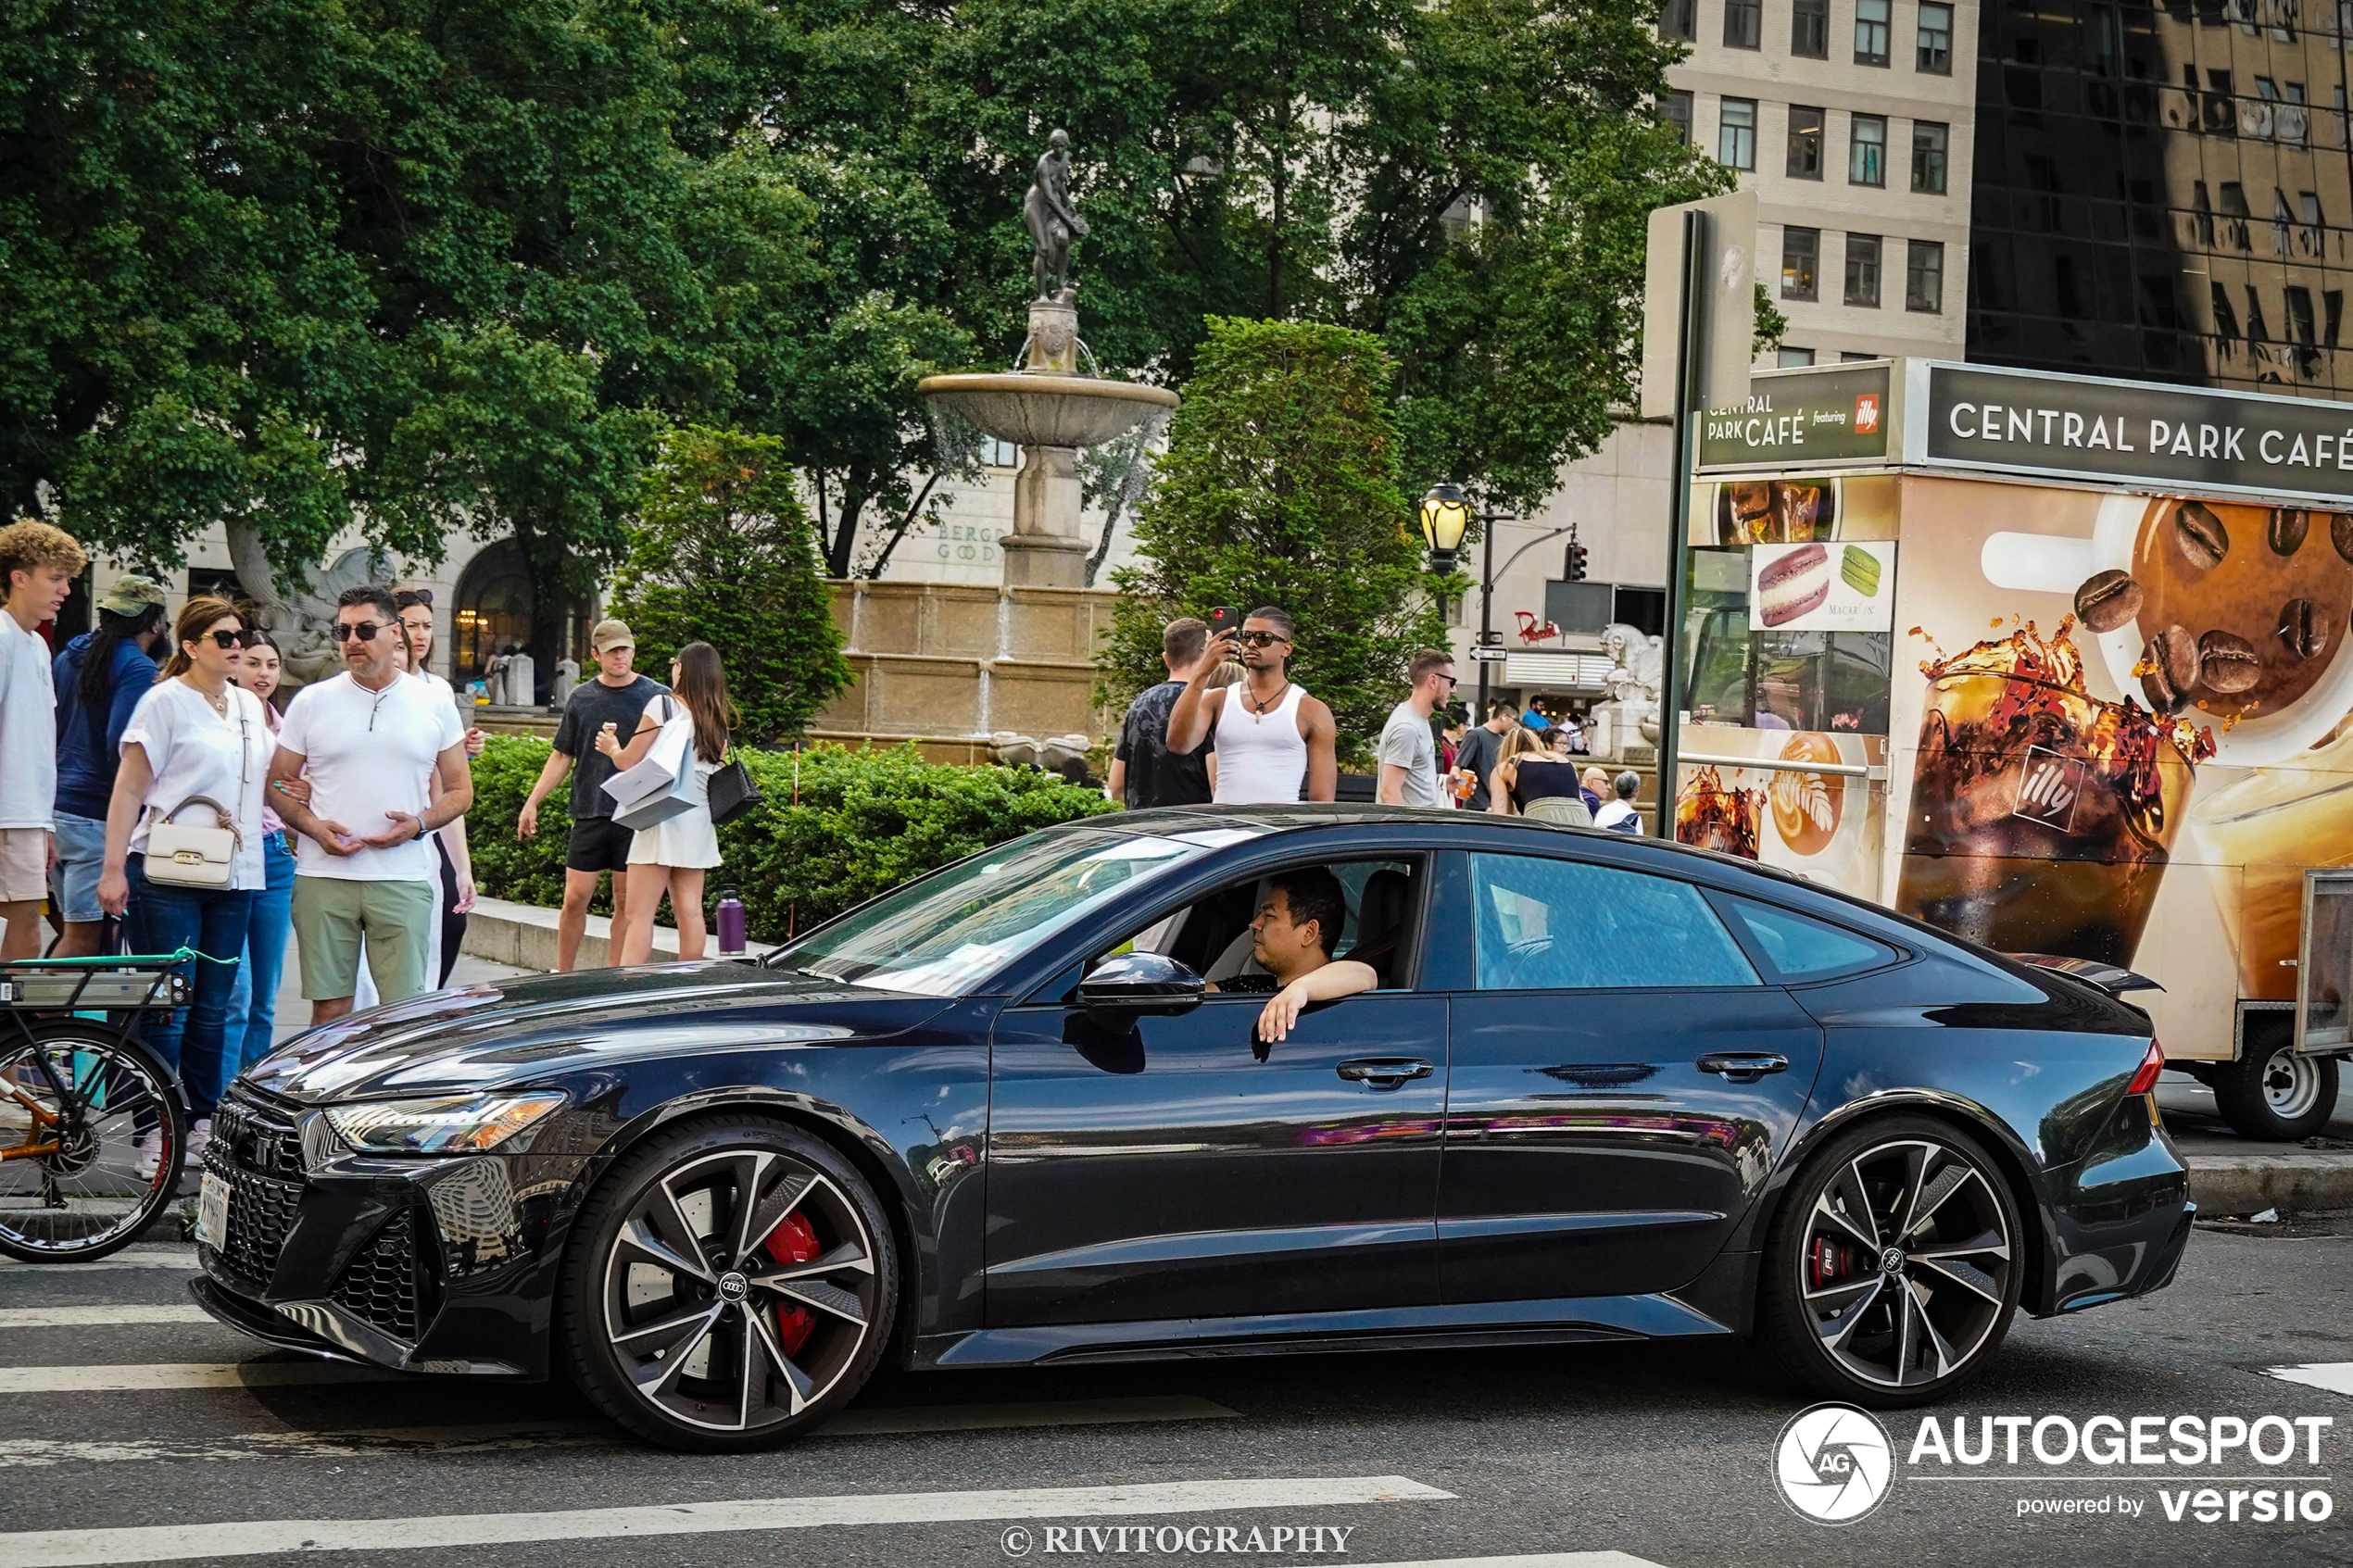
point(1776, 512)
point(2041, 818)
point(1711, 815)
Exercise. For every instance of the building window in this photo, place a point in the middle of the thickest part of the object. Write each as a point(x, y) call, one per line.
point(1809, 29)
point(2202, 221)
point(1801, 263)
point(1805, 143)
point(2283, 222)
point(998, 454)
point(1678, 18)
point(1929, 142)
point(2234, 210)
point(1743, 24)
point(1793, 358)
point(1924, 277)
point(1862, 270)
point(1736, 133)
point(2312, 240)
point(1674, 109)
point(1867, 150)
point(1936, 38)
point(1871, 32)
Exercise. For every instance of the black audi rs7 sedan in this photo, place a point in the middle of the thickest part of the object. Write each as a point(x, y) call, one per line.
point(1020, 1111)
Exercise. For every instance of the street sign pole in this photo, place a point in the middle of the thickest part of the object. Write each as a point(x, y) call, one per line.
point(1691, 345)
point(1486, 599)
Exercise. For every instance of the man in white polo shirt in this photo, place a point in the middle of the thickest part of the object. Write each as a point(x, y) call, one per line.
point(371, 742)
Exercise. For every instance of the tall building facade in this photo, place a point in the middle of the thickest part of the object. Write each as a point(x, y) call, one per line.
point(1854, 123)
point(2164, 191)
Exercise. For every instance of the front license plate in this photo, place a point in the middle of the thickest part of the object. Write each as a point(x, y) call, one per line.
point(212, 1212)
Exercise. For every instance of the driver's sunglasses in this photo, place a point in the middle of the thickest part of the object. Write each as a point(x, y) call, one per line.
point(365, 631)
point(1260, 639)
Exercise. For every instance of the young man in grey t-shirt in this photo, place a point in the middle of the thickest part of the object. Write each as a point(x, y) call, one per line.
point(597, 844)
point(1408, 749)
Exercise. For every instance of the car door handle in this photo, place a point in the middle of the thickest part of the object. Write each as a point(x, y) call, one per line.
point(1743, 1067)
point(1384, 1072)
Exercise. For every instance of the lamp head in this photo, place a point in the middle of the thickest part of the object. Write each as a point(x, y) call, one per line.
point(1444, 516)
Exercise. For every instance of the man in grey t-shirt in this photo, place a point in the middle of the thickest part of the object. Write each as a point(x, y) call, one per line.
point(1408, 749)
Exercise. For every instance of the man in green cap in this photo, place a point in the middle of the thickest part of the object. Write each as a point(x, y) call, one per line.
point(100, 677)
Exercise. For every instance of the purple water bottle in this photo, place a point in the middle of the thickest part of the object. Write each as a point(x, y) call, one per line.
point(730, 919)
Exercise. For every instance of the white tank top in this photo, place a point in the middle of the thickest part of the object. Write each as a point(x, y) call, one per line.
point(1261, 758)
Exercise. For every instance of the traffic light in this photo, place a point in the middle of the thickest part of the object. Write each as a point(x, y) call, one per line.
point(1576, 567)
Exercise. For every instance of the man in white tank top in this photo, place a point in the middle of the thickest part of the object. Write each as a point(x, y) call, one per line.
point(1273, 743)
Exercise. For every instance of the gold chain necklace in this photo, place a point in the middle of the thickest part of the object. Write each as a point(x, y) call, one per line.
point(1261, 710)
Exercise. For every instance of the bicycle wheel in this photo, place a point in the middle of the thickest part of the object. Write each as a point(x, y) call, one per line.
point(75, 1104)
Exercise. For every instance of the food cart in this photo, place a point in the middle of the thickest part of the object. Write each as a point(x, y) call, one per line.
point(2058, 663)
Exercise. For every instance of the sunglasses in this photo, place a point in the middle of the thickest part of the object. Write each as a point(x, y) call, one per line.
point(227, 639)
point(1261, 639)
point(365, 631)
point(408, 597)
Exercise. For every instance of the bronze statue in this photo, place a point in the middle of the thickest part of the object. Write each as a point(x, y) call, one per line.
point(1053, 220)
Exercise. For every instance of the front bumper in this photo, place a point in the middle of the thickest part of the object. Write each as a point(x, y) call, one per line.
point(432, 1265)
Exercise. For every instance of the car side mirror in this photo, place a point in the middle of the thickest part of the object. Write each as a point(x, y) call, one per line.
point(1140, 985)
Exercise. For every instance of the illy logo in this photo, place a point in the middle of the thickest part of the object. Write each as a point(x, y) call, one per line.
point(2048, 787)
point(1867, 414)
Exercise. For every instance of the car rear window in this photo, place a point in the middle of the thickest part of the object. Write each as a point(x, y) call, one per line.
point(1800, 948)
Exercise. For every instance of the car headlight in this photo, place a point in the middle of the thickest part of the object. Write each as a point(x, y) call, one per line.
point(451, 1124)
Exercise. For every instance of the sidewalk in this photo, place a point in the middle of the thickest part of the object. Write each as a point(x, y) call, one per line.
point(2230, 1174)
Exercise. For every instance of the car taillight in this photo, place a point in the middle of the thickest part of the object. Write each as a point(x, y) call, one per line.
point(2151, 1065)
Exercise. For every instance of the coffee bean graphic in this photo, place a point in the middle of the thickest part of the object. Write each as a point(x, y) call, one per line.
point(2108, 599)
point(2302, 629)
point(2341, 533)
point(2171, 669)
point(2285, 534)
point(2203, 539)
point(2227, 663)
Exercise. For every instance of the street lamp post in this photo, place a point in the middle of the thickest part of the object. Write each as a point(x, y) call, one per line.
point(1436, 517)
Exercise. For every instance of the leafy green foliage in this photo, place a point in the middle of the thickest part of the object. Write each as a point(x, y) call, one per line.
point(834, 828)
point(722, 553)
point(1280, 486)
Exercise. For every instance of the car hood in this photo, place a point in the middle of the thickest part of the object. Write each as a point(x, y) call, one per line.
point(483, 1035)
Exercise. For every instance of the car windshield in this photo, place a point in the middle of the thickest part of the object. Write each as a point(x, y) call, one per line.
point(943, 936)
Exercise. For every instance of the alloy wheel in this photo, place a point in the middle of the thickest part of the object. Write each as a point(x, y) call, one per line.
point(738, 1290)
point(1906, 1262)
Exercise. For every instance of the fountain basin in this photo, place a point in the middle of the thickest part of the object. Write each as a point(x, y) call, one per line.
point(1047, 410)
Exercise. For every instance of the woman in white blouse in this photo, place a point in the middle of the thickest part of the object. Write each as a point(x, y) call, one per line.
point(195, 754)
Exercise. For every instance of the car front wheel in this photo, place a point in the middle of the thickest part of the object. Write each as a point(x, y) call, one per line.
point(1895, 1265)
point(729, 1285)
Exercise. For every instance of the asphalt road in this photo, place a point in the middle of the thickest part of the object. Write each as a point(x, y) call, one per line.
point(1661, 1452)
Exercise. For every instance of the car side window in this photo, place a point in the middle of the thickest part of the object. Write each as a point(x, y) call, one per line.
point(1211, 933)
point(1545, 925)
point(1804, 949)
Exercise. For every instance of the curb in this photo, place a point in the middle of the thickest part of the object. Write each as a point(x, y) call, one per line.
point(523, 937)
point(2247, 1184)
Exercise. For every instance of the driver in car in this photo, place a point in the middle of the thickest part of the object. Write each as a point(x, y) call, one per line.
point(1299, 920)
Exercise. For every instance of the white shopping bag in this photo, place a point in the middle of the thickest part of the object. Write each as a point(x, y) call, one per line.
point(660, 787)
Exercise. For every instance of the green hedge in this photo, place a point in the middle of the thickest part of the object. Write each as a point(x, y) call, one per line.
point(865, 822)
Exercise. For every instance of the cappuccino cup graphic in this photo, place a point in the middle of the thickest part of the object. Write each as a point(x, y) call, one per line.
point(2233, 616)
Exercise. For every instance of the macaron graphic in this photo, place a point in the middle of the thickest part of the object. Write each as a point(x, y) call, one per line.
point(1796, 584)
point(1860, 568)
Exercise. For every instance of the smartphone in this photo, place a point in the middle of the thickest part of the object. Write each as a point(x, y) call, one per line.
point(1225, 618)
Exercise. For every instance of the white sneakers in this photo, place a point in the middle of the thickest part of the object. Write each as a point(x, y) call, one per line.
point(199, 1136)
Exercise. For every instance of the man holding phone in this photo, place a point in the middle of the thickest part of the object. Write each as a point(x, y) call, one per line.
point(1275, 744)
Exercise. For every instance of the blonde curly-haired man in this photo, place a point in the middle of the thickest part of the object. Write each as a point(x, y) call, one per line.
point(38, 564)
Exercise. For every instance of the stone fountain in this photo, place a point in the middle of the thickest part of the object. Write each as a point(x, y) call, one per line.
point(1044, 406)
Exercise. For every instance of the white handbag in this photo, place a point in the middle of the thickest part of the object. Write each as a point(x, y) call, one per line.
point(661, 784)
point(200, 856)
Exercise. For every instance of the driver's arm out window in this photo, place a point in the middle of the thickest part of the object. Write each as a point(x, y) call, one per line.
point(1547, 924)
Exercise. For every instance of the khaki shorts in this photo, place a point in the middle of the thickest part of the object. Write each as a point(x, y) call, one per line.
point(330, 915)
point(24, 865)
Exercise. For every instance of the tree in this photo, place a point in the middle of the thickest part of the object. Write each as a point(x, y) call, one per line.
point(1280, 486)
point(722, 553)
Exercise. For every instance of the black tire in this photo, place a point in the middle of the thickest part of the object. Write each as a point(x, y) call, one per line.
point(656, 1276)
point(1907, 1190)
point(2271, 1094)
point(87, 1200)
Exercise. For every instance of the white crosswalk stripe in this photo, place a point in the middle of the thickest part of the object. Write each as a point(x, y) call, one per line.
point(2335, 1376)
point(106, 1379)
point(100, 1317)
point(886, 1420)
point(182, 1259)
point(77, 1548)
point(1530, 1559)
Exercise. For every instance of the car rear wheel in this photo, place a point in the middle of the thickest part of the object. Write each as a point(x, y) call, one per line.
point(728, 1286)
point(1895, 1265)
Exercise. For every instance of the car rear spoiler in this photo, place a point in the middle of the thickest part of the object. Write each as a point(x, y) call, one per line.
point(2107, 976)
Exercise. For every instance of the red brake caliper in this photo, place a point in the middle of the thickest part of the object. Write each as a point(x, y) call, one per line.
point(793, 1242)
point(1828, 1261)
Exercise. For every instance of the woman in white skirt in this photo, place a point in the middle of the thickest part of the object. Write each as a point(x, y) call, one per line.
point(673, 854)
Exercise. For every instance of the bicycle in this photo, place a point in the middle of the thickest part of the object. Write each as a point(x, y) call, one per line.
point(77, 1096)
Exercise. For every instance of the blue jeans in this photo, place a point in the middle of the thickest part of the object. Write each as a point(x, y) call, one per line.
point(253, 1006)
point(214, 921)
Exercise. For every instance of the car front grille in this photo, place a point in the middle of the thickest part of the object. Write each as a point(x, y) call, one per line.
point(383, 1284)
point(257, 1151)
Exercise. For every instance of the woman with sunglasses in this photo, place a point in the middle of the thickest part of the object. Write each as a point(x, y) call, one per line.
point(195, 753)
